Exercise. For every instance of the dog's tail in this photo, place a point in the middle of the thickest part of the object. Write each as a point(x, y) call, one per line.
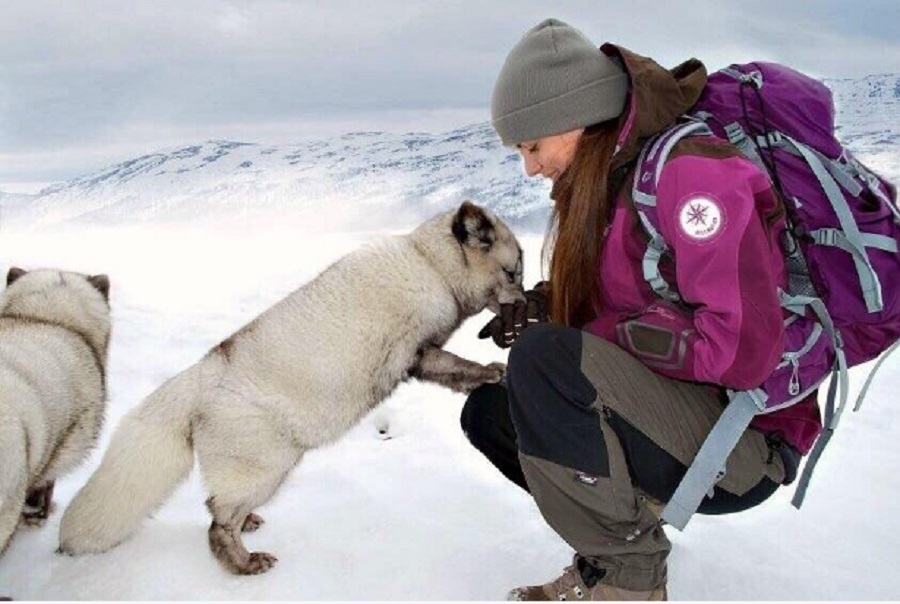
point(150, 454)
point(13, 477)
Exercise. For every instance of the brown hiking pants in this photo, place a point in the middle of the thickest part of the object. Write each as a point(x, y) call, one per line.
point(597, 432)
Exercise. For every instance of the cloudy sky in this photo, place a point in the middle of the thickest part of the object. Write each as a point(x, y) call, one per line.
point(87, 83)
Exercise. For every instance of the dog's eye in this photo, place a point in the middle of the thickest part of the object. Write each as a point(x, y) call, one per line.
point(510, 275)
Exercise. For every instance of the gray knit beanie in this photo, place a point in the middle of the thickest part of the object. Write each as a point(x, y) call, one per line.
point(555, 80)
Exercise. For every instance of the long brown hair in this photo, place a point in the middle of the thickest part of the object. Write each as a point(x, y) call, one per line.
point(580, 215)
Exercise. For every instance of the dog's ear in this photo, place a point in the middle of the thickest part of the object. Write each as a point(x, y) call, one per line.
point(101, 284)
point(472, 227)
point(13, 275)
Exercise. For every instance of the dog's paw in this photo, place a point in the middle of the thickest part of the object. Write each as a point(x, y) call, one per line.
point(252, 523)
point(474, 377)
point(33, 520)
point(496, 373)
point(258, 563)
point(36, 517)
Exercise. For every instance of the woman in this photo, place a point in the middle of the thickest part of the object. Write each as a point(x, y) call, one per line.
point(608, 403)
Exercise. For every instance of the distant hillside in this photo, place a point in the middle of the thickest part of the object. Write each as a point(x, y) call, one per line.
point(369, 179)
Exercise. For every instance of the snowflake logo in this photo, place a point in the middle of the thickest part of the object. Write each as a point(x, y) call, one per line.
point(701, 218)
point(697, 214)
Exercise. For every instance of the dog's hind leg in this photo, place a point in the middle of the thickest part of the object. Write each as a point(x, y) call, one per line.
point(13, 480)
point(71, 451)
point(244, 460)
point(447, 369)
point(38, 504)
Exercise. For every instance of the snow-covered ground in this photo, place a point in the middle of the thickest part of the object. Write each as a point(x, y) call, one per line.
point(419, 515)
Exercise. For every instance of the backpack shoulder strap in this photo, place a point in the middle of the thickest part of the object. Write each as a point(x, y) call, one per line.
point(708, 466)
point(646, 179)
point(654, 155)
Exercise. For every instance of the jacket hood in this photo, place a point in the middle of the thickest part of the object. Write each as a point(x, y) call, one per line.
point(656, 98)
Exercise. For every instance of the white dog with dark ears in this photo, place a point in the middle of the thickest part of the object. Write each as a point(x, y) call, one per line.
point(299, 376)
point(54, 334)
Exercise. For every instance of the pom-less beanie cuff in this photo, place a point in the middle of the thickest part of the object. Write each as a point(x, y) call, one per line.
point(592, 103)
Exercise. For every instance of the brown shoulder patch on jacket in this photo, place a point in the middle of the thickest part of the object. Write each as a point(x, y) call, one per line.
point(704, 146)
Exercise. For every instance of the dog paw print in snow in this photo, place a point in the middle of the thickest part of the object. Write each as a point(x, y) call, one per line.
point(383, 428)
point(389, 424)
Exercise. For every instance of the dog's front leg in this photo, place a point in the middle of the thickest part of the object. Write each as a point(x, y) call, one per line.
point(447, 369)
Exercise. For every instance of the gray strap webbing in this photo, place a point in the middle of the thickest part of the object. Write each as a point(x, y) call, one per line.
point(874, 186)
point(895, 210)
point(709, 464)
point(865, 388)
point(832, 417)
point(798, 305)
point(843, 386)
point(734, 73)
point(840, 376)
point(656, 247)
point(692, 128)
point(844, 173)
point(739, 138)
point(754, 76)
point(644, 199)
point(871, 287)
point(773, 138)
point(821, 443)
point(836, 238)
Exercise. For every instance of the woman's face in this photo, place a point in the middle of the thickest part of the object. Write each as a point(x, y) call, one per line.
point(551, 155)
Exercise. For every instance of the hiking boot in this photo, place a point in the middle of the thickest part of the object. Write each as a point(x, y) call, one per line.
point(580, 581)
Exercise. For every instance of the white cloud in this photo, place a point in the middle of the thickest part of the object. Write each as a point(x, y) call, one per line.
point(76, 75)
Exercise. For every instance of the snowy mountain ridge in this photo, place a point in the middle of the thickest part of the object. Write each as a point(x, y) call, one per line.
point(365, 179)
point(403, 177)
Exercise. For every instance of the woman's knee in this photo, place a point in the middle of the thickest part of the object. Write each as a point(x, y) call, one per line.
point(530, 348)
point(545, 363)
point(486, 407)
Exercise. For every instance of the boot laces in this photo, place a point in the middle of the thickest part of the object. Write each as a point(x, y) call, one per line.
point(570, 580)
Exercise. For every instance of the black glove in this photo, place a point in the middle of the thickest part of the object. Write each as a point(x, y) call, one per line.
point(515, 318)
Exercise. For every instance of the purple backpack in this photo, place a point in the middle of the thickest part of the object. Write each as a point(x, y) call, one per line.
point(840, 249)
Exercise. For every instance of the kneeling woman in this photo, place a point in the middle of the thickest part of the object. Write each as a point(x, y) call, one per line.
point(607, 404)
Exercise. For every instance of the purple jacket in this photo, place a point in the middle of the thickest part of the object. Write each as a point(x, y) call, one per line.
point(719, 215)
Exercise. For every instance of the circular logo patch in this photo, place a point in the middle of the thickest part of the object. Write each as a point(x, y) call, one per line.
point(701, 218)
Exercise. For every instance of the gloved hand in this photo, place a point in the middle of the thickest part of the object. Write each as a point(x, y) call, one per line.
point(515, 318)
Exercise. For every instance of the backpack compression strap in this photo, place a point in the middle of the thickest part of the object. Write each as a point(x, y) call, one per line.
point(850, 236)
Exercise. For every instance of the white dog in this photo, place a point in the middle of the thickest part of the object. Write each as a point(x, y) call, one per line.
point(54, 332)
point(299, 376)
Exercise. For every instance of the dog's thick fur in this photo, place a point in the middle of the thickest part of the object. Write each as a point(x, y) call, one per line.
point(299, 376)
point(54, 333)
